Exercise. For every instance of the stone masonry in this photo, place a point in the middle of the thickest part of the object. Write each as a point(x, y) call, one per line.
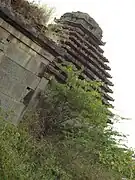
point(21, 63)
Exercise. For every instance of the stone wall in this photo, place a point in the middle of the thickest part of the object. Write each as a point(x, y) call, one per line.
point(22, 62)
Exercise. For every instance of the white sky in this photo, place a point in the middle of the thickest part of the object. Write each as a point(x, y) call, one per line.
point(116, 18)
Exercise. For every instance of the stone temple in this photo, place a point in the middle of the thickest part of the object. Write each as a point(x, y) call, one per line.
point(27, 55)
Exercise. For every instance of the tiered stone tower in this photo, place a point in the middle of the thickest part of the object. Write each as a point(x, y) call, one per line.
point(81, 40)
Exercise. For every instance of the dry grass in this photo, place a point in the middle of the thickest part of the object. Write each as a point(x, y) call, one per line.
point(35, 14)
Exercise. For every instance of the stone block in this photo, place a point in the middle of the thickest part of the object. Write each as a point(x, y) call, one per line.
point(11, 86)
point(7, 26)
point(5, 101)
point(2, 46)
point(28, 45)
point(13, 108)
point(11, 29)
point(5, 82)
point(17, 91)
point(1, 55)
point(43, 83)
point(35, 63)
point(18, 73)
point(26, 48)
point(36, 47)
point(34, 82)
point(12, 39)
point(1, 21)
point(17, 34)
point(26, 40)
point(17, 54)
point(3, 34)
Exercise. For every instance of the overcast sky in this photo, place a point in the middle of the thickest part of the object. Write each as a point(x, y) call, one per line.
point(116, 18)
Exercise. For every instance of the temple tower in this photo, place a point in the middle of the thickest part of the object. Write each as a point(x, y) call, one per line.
point(82, 41)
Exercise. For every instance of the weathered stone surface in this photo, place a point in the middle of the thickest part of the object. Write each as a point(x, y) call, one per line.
point(17, 54)
point(17, 72)
point(1, 55)
point(15, 79)
point(3, 34)
point(21, 62)
point(13, 108)
point(35, 64)
point(2, 46)
point(83, 18)
point(43, 83)
point(1, 21)
point(22, 42)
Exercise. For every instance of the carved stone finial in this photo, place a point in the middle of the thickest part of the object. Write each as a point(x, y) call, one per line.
point(83, 18)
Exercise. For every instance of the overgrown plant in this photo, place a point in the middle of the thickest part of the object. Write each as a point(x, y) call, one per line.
point(35, 14)
point(74, 118)
point(68, 138)
point(56, 32)
point(22, 157)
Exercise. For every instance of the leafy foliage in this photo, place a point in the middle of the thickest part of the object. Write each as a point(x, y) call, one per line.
point(67, 138)
point(21, 157)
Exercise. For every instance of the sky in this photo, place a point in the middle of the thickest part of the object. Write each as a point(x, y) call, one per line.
point(116, 18)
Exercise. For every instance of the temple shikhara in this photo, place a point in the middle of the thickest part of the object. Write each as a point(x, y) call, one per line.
point(82, 41)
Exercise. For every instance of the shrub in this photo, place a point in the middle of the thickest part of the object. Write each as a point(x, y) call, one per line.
point(74, 120)
point(67, 138)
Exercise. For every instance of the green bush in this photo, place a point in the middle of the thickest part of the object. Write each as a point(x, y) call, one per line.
point(67, 138)
point(23, 158)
